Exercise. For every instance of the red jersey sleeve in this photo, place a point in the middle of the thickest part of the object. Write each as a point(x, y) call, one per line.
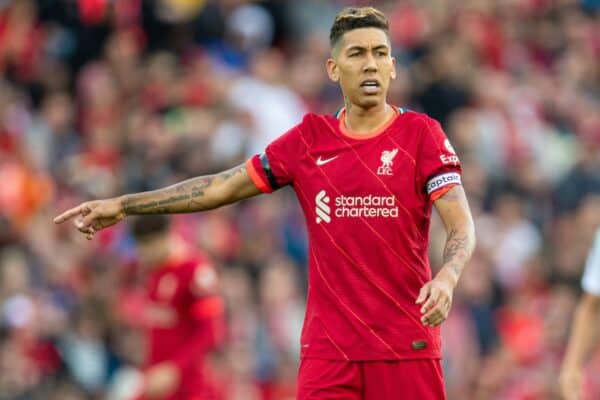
point(438, 165)
point(275, 167)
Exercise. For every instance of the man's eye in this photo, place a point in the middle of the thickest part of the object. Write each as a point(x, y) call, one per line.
point(353, 55)
point(382, 53)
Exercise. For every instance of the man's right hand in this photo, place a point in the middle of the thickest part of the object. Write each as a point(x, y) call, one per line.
point(93, 216)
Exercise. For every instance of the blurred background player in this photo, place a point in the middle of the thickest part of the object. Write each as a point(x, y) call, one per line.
point(182, 313)
point(586, 328)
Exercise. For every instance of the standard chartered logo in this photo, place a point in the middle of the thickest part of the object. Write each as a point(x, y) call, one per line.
point(323, 209)
point(368, 206)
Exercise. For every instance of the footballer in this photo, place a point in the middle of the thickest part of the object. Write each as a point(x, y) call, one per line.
point(182, 314)
point(366, 179)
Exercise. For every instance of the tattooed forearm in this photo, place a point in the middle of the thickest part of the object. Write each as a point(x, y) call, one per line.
point(457, 251)
point(460, 241)
point(196, 194)
point(456, 246)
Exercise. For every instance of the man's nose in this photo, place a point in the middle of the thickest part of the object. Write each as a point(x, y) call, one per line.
point(370, 64)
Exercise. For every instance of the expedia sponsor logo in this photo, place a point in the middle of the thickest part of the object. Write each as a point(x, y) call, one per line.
point(451, 159)
point(369, 206)
point(449, 146)
point(442, 180)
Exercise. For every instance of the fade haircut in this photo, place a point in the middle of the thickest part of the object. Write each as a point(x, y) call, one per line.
point(354, 18)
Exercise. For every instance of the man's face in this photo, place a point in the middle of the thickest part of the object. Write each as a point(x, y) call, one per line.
point(363, 66)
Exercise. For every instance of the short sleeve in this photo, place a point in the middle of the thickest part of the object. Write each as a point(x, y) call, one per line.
point(276, 166)
point(591, 276)
point(438, 166)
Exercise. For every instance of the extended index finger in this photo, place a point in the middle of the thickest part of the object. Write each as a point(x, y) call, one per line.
point(68, 215)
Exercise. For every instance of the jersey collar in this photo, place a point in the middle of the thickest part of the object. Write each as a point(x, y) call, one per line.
point(341, 114)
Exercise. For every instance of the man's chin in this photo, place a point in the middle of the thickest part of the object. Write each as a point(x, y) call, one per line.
point(367, 102)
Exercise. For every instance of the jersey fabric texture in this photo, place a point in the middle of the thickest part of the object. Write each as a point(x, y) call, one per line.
point(591, 276)
point(370, 380)
point(367, 202)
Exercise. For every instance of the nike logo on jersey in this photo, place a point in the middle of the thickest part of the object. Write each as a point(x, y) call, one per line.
point(323, 162)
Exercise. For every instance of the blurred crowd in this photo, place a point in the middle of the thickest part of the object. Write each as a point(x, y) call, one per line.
point(104, 97)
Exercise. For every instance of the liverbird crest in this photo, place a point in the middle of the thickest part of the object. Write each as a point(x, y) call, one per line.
point(387, 160)
point(387, 157)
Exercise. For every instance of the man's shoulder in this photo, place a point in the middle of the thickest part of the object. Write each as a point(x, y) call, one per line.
point(415, 118)
point(311, 119)
point(312, 125)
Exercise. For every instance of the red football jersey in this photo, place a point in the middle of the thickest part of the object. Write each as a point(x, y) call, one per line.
point(184, 318)
point(367, 202)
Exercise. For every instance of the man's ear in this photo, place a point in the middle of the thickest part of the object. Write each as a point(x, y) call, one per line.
point(393, 75)
point(332, 70)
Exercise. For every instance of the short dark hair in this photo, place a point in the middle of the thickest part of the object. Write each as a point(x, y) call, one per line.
point(146, 226)
point(354, 18)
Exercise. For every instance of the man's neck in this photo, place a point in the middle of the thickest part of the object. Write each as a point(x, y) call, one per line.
point(360, 120)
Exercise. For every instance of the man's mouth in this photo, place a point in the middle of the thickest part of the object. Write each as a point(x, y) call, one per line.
point(370, 83)
point(370, 86)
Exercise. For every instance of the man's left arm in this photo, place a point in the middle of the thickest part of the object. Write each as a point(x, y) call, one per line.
point(436, 295)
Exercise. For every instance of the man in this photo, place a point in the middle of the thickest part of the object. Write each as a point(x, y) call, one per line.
point(585, 332)
point(365, 179)
point(182, 314)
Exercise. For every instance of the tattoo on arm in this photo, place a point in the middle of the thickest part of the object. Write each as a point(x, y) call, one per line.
point(456, 252)
point(186, 196)
point(460, 239)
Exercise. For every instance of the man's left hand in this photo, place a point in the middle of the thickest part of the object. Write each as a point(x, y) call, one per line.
point(436, 297)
